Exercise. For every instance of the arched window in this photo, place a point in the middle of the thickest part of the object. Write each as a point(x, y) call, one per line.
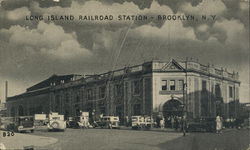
point(57, 103)
point(217, 91)
point(20, 110)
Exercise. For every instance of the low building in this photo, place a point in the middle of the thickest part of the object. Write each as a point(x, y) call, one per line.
point(152, 88)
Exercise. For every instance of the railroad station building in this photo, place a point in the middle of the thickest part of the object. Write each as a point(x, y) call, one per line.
point(152, 88)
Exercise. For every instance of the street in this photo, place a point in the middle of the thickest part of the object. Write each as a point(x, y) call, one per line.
point(106, 139)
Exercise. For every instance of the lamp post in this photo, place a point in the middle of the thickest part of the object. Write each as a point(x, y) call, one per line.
point(184, 109)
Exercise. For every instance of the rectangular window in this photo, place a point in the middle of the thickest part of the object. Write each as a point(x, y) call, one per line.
point(204, 85)
point(230, 92)
point(164, 85)
point(217, 91)
point(181, 84)
point(136, 87)
point(102, 91)
point(172, 85)
point(90, 94)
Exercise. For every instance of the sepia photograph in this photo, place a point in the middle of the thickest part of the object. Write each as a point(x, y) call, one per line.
point(124, 75)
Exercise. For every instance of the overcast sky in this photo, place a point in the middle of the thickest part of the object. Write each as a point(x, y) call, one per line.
point(31, 51)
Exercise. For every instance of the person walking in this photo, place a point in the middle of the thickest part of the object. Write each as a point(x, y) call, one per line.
point(184, 125)
point(162, 123)
point(176, 123)
point(218, 124)
point(172, 122)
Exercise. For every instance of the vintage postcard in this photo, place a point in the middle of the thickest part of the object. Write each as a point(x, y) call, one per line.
point(124, 75)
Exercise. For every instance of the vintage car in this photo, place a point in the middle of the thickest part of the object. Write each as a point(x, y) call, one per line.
point(40, 120)
point(21, 124)
point(142, 122)
point(201, 125)
point(107, 122)
point(5, 122)
point(72, 122)
point(81, 121)
point(138, 122)
point(56, 122)
point(149, 122)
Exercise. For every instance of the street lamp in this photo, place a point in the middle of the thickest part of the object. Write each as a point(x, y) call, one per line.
point(184, 109)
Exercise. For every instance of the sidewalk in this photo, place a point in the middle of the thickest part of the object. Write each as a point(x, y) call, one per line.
point(19, 141)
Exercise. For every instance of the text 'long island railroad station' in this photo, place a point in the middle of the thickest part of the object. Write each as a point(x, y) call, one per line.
point(153, 88)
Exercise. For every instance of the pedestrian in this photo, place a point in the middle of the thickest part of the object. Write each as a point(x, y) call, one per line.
point(184, 125)
point(176, 123)
point(172, 122)
point(218, 124)
point(162, 123)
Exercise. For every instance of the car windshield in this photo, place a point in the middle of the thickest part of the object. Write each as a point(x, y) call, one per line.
point(56, 118)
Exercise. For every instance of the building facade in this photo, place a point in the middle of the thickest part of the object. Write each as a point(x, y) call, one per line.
point(152, 88)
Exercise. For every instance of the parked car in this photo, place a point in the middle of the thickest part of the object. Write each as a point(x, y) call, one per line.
point(40, 120)
point(107, 122)
point(138, 122)
point(5, 122)
point(21, 124)
point(142, 122)
point(56, 122)
point(72, 122)
point(202, 125)
point(149, 122)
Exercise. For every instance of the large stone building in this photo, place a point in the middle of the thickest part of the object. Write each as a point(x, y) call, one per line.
point(152, 88)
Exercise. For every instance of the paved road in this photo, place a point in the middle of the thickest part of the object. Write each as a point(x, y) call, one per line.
point(105, 139)
point(231, 139)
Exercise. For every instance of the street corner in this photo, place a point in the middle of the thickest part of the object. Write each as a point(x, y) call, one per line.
point(20, 141)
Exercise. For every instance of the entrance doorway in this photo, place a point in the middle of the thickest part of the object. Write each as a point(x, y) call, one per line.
point(171, 110)
point(172, 107)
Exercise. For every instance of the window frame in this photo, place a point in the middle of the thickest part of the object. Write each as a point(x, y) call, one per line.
point(164, 85)
point(170, 86)
point(181, 86)
point(230, 91)
point(102, 92)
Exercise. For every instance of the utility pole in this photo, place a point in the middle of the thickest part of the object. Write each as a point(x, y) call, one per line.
point(6, 90)
point(185, 88)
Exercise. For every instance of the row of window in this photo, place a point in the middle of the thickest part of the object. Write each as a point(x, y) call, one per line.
point(171, 85)
point(118, 90)
point(217, 89)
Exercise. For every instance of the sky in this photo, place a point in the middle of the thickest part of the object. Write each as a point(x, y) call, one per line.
point(33, 50)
